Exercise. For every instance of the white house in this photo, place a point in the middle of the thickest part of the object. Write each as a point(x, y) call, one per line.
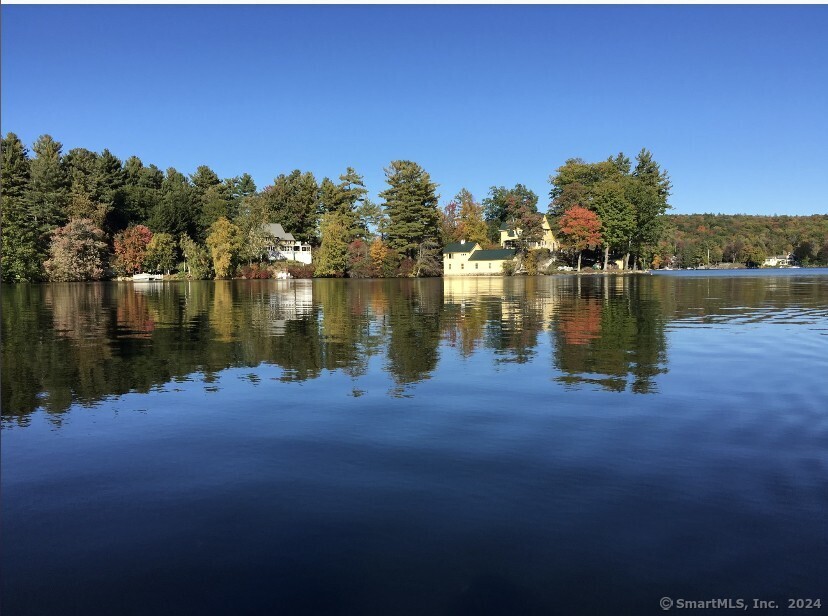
point(779, 261)
point(284, 247)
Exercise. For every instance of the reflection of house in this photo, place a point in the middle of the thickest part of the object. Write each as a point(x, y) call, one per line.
point(291, 303)
point(468, 259)
point(779, 261)
point(508, 237)
point(284, 247)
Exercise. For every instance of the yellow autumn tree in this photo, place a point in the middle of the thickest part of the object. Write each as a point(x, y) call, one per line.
point(224, 242)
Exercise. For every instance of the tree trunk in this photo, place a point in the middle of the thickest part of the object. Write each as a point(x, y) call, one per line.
point(579, 259)
point(606, 257)
point(626, 262)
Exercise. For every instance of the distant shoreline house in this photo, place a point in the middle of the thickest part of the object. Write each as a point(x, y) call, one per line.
point(509, 237)
point(779, 261)
point(468, 259)
point(284, 247)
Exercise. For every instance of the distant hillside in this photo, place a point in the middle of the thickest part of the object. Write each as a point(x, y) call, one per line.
point(740, 238)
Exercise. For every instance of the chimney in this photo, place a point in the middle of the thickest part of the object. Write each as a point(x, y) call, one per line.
point(463, 241)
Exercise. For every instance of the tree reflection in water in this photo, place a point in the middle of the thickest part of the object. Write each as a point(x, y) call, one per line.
point(81, 342)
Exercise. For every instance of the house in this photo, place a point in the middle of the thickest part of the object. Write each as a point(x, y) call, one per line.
point(469, 259)
point(779, 261)
point(284, 247)
point(508, 237)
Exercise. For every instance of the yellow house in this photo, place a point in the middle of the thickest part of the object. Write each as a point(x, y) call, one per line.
point(468, 259)
point(508, 237)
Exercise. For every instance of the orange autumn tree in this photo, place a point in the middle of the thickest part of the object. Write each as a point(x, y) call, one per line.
point(582, 228)
point(130, 249)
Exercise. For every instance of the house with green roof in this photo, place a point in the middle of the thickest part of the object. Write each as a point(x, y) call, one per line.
point(469, 259)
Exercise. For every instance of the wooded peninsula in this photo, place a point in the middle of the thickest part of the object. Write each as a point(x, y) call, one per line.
point(83, 215)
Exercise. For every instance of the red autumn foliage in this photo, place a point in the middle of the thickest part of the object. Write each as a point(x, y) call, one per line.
point(131, 248)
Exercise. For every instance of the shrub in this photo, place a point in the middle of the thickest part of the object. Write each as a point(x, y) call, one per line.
point(299, 270)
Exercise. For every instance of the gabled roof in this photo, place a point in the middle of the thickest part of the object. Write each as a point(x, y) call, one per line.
point(275, 229)
point(499, 254)
point(459, 247)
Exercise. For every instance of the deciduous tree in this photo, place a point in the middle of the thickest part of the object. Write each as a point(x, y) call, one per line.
point(77, 252)
point(131, 248)
point(224, 242)
point(582, 228)
point(160, 253)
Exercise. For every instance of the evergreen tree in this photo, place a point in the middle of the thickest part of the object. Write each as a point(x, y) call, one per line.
point(411, 205)
point(48, 191)
point(141, 191)
point(86, 198)
point(110, 178)
point(293, 202)
point(213, 199)
point(19, 233)
point(175, 211)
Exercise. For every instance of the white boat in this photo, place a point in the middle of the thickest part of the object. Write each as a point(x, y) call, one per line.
point(146, 277)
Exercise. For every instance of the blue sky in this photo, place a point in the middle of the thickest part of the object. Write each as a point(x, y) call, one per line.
point(732, 100)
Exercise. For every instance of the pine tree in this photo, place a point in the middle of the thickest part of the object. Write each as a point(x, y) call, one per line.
point(293, 202)
point(48, 191)
point(411, 205)
point(19, 234)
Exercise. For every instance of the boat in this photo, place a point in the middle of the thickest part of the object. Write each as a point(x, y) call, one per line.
point(147, 277)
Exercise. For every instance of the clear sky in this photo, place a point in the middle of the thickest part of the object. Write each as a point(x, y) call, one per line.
point(732, 100)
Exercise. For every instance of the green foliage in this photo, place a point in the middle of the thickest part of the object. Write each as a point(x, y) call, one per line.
point(175, 211)
point(160, 253)
point(20, 258)
point(48, 190)
point(740, 237)
point(251, 219)
point(411, 205)
point(197, 263)
point(332, 258)
point(462, 218)
point(630, 205)
point(77, 252)
point(293, 201)
point(371, 220)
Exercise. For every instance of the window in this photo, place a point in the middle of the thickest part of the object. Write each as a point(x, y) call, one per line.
point(490, 265)
point(462, 266)
point(475, 266)
point(449, 265)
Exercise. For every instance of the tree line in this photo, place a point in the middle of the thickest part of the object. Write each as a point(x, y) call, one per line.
point(83, 215)
point(691, 240)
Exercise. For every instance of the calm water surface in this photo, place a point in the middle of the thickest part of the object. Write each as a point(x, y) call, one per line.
point(552, 445)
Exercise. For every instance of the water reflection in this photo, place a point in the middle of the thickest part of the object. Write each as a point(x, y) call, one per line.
point(79, 343)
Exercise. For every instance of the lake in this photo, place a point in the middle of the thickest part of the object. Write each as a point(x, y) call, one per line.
point(548, 445)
